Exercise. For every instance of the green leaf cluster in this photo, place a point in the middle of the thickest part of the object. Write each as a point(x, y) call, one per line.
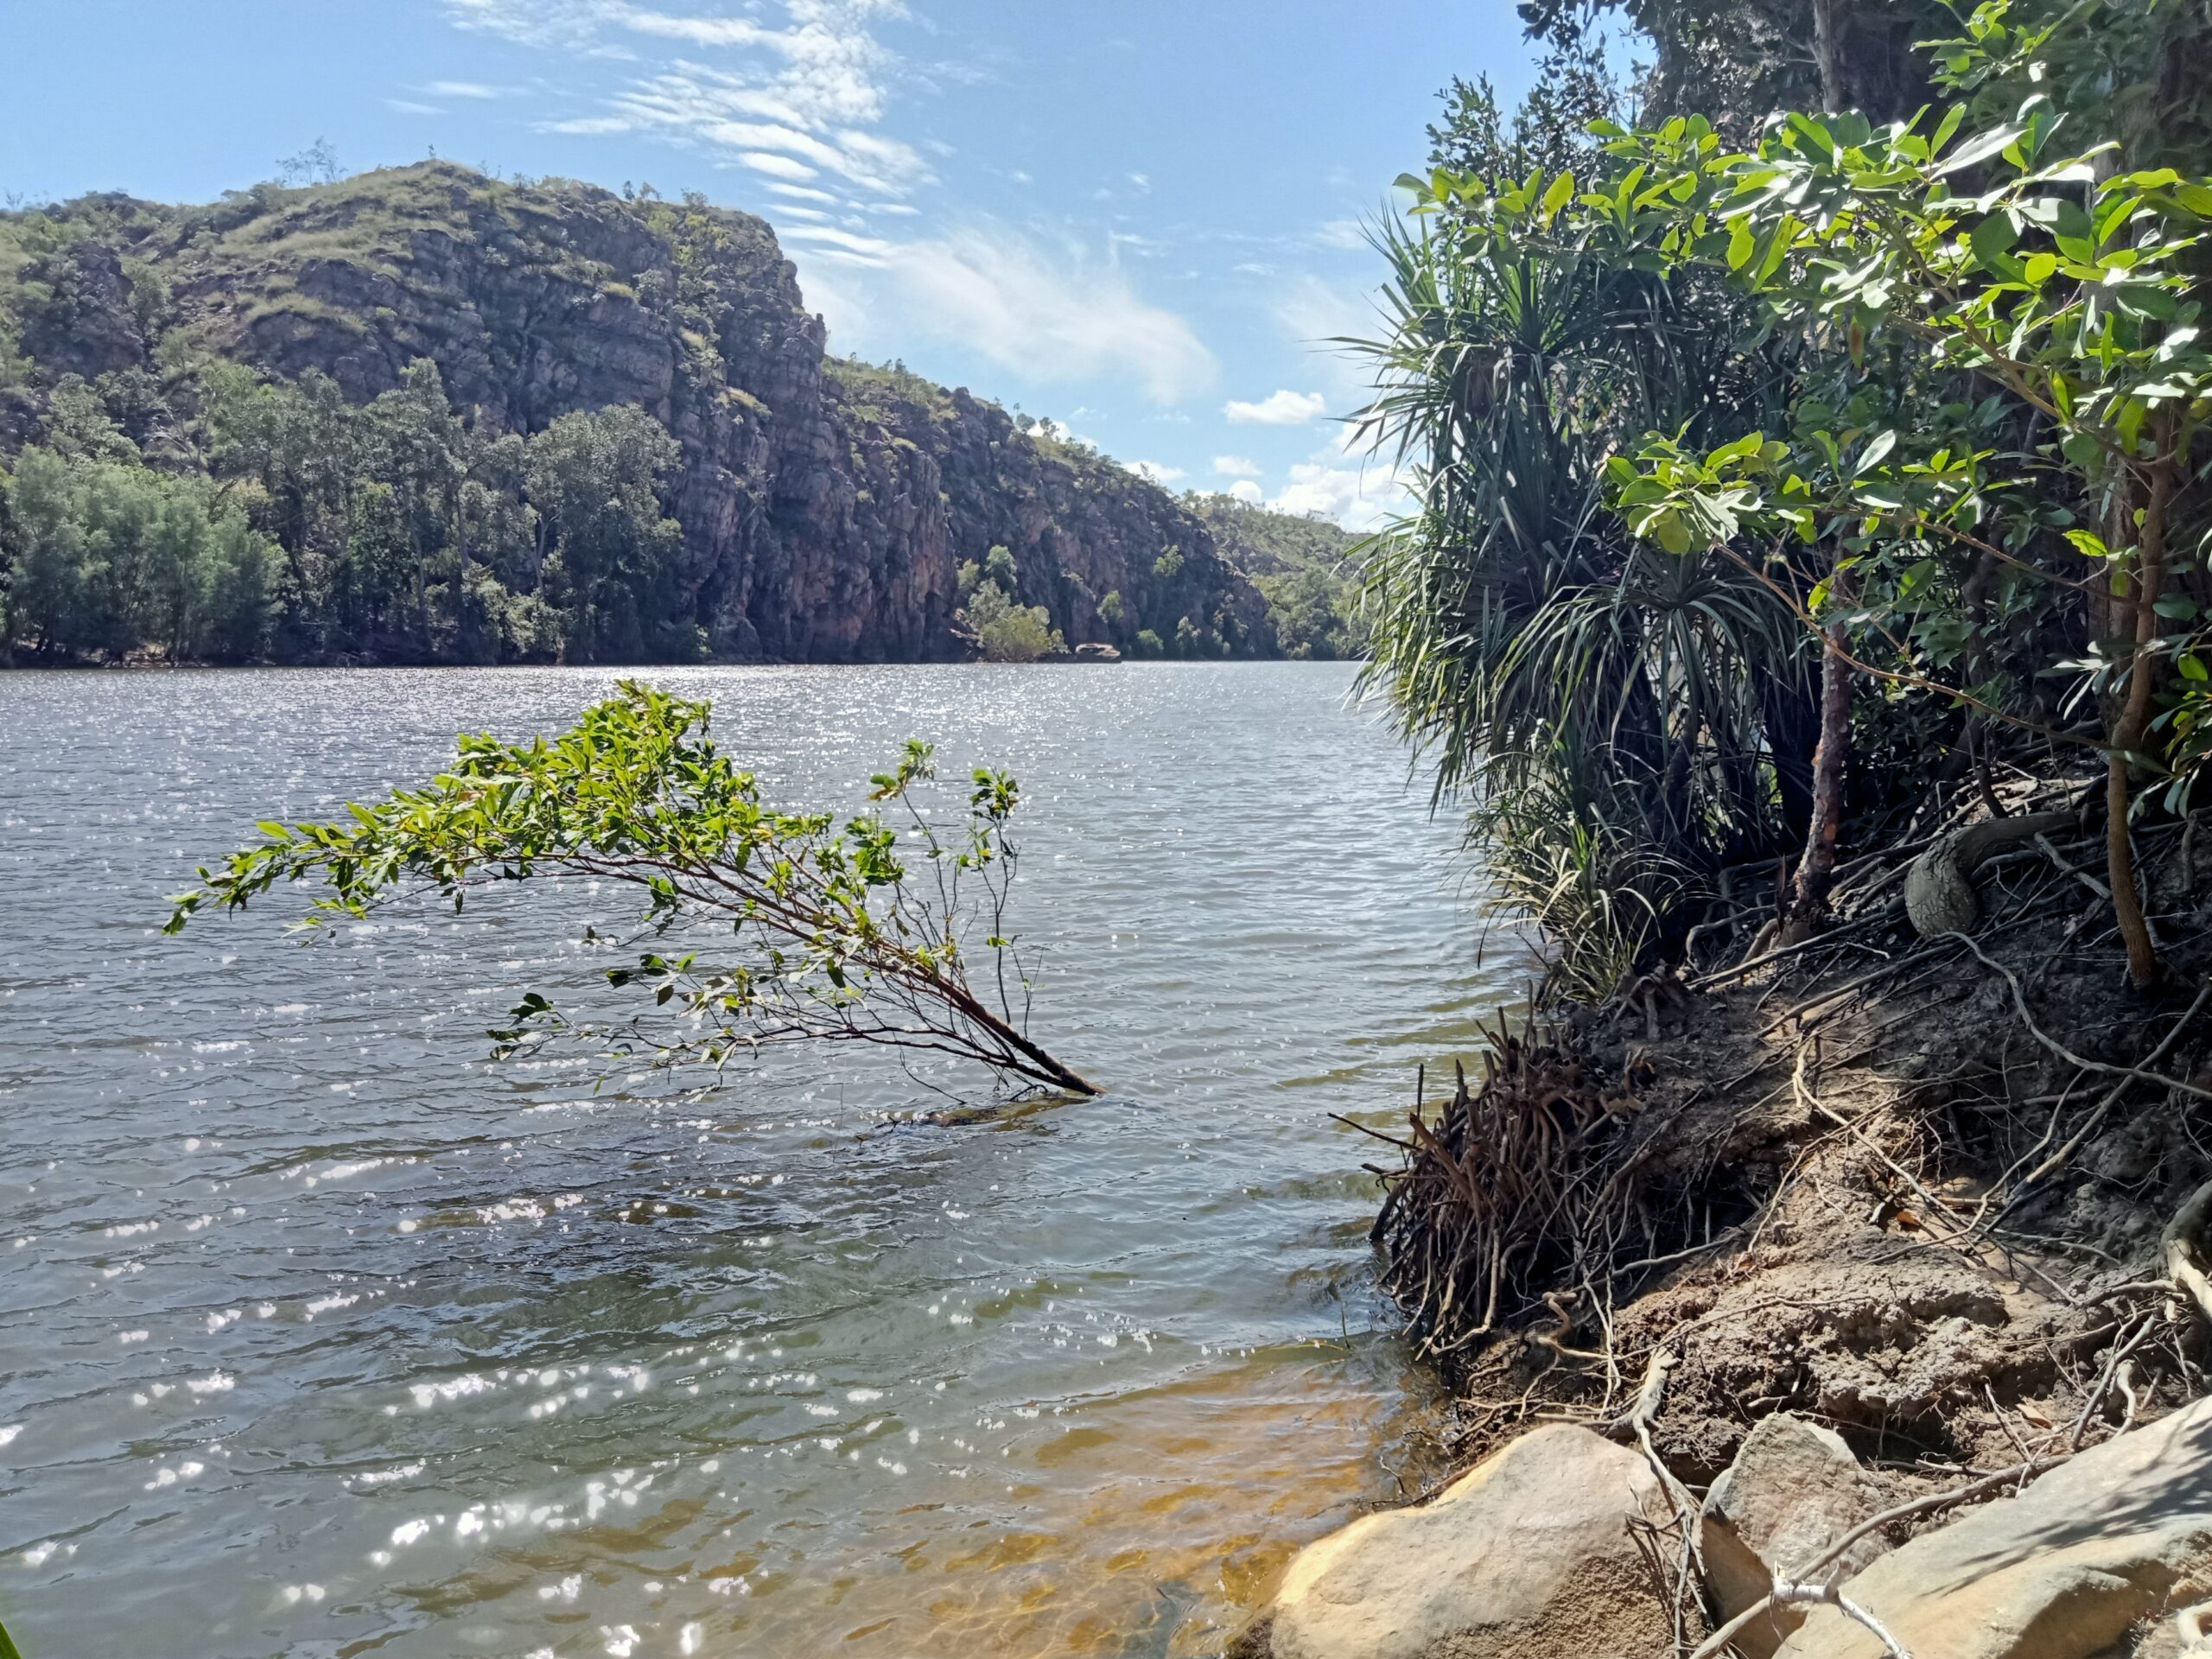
point(768, 926)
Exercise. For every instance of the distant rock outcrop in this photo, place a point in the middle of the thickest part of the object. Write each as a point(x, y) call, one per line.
point(826, 506)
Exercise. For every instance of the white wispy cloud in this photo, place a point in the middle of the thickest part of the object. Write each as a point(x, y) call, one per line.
point(803, 193)
point(830, 235)
point(464, 89)
point(1278, 408)
point(1236, 467)
point(808, 87)
point(1159, 472)
point(691, 103)
point(1047, 313)
point(409, 106)
point(779, 167)
point(564, 25)
point(1317, 315)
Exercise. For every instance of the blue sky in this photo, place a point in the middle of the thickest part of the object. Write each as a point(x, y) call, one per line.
point(1133, 216)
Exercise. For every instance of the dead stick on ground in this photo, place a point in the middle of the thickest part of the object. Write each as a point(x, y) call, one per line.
point(1650, 1397)
point(2074, 1141)
point(2183, 1248)
point(2118, 1358)
point(1722, 1637)
point(1804, 1594)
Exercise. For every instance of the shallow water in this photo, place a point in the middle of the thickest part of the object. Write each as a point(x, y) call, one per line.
point(321, 1334)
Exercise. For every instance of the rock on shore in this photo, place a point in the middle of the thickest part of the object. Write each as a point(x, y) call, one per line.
point(1533, 1554)
point(1529, 1556)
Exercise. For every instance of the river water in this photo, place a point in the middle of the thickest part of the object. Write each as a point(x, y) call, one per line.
point(321, 1334)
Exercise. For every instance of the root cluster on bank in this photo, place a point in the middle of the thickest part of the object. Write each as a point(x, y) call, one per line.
point(1950, 1195)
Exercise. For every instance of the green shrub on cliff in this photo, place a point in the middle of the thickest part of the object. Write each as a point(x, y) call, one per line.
point(1012, 633)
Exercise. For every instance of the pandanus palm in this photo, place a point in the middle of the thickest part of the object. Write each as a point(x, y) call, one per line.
point(1529, 646)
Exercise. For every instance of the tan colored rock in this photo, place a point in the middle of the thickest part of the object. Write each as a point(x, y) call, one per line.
point(1528, 1555)
point(2121, 1534)
point(1794, 1489)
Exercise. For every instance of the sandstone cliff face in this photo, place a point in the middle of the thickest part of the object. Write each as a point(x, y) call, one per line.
point(824, 519)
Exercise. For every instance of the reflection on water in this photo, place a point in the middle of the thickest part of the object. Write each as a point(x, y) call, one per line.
point(326, 1337)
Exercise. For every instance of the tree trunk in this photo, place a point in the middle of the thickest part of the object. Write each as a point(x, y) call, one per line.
point(2128, 731)
point(1808, 895)
point(1827, 50)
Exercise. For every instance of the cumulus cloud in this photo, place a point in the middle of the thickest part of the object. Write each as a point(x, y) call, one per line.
point(1046, 313)
point(1247, 492)
point(1346, 482)
point(1236, 467)
point(1158, 472)
point(1279, 408)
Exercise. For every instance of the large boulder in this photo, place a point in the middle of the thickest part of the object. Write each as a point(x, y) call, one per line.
point(2121, 1534)
point(1793, 1490)
point(1529, 1556)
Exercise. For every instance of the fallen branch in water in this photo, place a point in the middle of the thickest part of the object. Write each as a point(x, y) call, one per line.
point(820, 932)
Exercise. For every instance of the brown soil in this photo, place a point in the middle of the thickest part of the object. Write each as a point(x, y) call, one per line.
point(1872, 1182)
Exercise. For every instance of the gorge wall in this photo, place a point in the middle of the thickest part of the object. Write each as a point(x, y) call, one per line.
point(825, 506)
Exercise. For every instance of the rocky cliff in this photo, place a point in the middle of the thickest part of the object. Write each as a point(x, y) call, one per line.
point(825, 507)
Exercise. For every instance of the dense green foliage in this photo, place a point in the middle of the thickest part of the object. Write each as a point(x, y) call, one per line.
point(108, 556)
point(411, 536)
point(1304, 567)
point(389, 531)
point(1951, 360)
point(768, 926)
point(1005, 632)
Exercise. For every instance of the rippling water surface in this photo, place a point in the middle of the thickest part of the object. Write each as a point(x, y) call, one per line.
point(322, 1335)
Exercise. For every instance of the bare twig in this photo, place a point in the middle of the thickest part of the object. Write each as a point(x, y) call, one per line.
point(1722, 1637)
point(2135, 1072)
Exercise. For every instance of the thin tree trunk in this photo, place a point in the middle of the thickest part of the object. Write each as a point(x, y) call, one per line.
point(1808, 895)
point(2128, 732)
point(1826, 48)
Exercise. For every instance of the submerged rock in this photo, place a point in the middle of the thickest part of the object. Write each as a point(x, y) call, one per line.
point(1530, 1555)
point(2120, 1535)
point(1793, 1491)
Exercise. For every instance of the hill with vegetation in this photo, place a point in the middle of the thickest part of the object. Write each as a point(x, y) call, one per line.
point(424, 414)
point(1303, 566)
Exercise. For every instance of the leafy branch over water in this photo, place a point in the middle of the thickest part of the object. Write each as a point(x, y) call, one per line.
point(826, 934)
